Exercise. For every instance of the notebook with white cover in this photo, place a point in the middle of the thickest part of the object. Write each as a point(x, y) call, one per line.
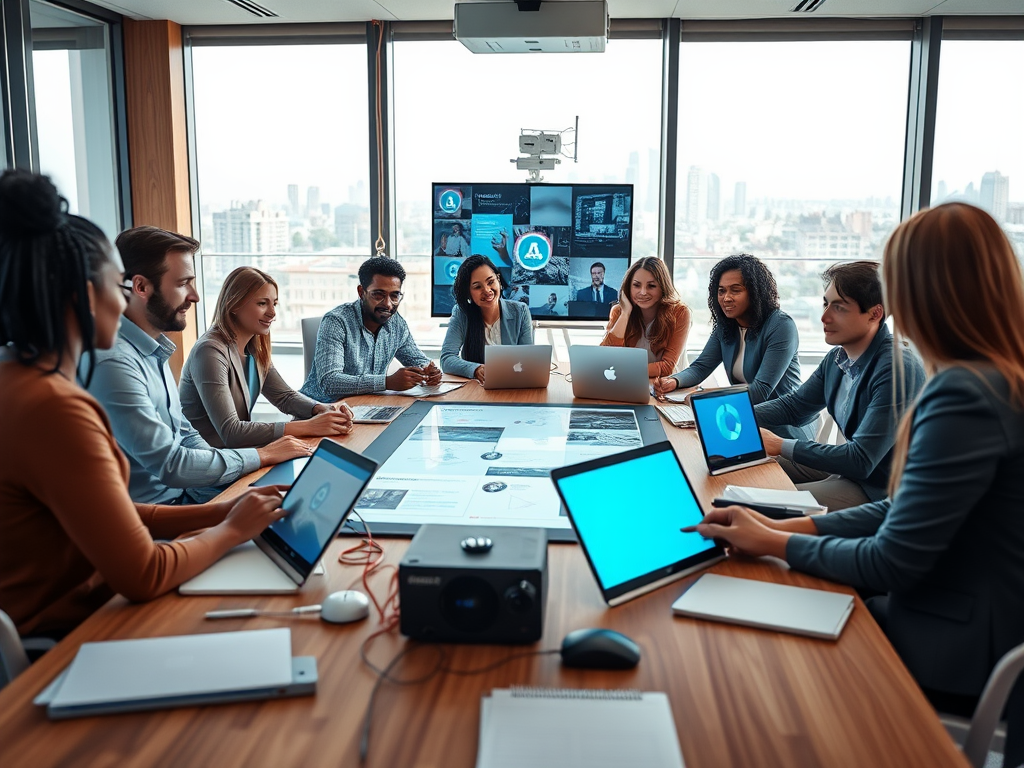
point(797, 610)
point(802, 500)
point(129, 675)
point(568, 728)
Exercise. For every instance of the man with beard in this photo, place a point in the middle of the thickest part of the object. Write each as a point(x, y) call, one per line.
point(357, 341)
point(170, 462)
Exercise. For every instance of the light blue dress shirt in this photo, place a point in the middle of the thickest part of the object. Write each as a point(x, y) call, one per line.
point(170, 462)
point(349, 360)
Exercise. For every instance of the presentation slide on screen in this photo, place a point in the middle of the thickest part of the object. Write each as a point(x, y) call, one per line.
point(491, 464)
point(562, 250)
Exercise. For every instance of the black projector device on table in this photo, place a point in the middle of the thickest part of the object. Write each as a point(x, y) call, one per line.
point(474, 584)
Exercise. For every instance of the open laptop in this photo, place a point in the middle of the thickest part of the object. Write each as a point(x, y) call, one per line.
point(609, 373)
point(728, 430)
point(282, 557)
point(517, 366)
point(635, 548)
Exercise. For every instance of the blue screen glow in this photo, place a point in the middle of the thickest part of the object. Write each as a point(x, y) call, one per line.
point(629, 516)
point(727, 425)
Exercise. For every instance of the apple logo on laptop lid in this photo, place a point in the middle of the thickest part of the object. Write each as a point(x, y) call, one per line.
point(610, 373)
point(518, 367)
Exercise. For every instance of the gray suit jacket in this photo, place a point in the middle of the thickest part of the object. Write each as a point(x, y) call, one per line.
point(515, 329)
point(215, 396)
point(948, 548)
point(871, 427)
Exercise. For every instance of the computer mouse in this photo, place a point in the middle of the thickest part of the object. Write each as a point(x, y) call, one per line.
point(346, 606)
point(599, 649)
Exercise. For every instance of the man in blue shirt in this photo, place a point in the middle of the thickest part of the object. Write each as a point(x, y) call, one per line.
point(855, 384)
point(170, 463)
point(357, 341)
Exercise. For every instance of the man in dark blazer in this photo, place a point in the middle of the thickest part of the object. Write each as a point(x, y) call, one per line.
point(598, 291)
point(855, 385)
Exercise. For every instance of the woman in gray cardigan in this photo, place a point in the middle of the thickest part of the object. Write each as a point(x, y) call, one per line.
point(230, 366)
point(945, 551)
point(481, 317)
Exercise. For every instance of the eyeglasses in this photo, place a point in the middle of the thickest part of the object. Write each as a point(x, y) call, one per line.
point(379, 296)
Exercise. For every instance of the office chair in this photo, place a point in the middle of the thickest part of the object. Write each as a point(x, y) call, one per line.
point(13, 659)
point(310, 328)
point(984, 732)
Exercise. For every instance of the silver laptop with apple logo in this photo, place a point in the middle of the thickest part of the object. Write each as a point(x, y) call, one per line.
point(610, 373)
point(522, 366)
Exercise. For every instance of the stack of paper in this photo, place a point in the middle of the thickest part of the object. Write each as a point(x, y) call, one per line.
point(422, 390)
point(568, 728)
point(793, 501)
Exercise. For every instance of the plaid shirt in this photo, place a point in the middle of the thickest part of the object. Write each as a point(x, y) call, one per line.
point(350, 361)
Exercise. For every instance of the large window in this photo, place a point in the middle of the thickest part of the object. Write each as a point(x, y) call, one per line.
point(281, 138)
point(979, 153)
point(458, 116)
point(74, 111)
point(791, 151)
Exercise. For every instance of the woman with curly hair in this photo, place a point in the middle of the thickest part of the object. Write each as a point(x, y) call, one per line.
point(755, 339)
point(649, 315)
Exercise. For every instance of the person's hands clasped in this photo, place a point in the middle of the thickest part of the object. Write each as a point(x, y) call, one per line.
point(404, 378)
point(744, 531)
point(254, 510)
point(325, 424)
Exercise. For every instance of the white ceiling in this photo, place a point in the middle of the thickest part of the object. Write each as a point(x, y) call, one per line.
point(223, 12)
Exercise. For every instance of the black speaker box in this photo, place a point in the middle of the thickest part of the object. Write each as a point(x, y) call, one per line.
point(454, 588)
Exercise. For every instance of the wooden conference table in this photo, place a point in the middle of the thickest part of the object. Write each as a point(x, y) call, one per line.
point(740, 696)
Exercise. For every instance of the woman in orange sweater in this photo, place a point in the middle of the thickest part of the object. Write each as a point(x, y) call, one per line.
point(651, 315)
point(70, 535)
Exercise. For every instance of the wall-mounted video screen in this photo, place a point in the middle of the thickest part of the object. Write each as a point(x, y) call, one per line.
point(562, 249)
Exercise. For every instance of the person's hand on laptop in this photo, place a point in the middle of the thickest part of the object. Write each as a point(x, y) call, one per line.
point(772, 442)
point(253, 511)
point(743, 531)
point(479, 374)
point(341, 405)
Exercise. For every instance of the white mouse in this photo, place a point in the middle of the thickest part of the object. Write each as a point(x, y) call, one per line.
point(346, 606)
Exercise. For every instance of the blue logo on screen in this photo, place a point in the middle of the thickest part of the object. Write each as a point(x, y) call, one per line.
point(320, 497)
point(451, 269)
point(728, 420)
point(533, 251)
point(451, 201)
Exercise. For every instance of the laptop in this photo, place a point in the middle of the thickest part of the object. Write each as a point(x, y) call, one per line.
point(635, 548)
point(517, 366)
point(610, 373)
point(281, 558)
point(727, 428)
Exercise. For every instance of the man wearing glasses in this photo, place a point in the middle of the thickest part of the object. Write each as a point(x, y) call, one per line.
point(357, 341)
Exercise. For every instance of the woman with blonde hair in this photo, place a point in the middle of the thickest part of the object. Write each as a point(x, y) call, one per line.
point(230, 366)
point(650, 315)
point(945, 552)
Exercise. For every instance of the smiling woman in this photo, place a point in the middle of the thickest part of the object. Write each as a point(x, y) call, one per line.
point(231, 365)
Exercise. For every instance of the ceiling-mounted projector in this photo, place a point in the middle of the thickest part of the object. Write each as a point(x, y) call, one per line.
point(580, 26)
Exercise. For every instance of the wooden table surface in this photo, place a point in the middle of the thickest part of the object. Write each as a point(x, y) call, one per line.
point(739, 696)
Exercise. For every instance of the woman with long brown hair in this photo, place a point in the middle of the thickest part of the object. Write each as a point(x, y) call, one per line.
point(230, 366)
point(650, 314)
point(945, 552)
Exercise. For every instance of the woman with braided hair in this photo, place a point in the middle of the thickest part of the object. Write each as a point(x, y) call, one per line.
point(70, 535)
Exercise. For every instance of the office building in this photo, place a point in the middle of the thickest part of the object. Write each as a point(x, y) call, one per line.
point(250, 227)
point(293, 200)
point(696, 196)
point(739, 202)
point(714, 198)
point(994, 195)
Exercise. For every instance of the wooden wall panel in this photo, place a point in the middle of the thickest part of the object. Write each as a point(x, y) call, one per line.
point(157, 139)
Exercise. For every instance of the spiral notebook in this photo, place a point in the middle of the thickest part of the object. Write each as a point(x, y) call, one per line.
point(576, 728)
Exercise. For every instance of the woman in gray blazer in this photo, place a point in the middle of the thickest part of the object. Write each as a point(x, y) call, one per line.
point(230, 366)
point(481, 317)
point(946, 550)
point(755, 340)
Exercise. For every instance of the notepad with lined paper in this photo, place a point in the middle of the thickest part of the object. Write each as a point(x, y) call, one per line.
point(576, 728)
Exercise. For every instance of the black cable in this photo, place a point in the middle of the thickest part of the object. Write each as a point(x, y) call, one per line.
point(440, 666)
